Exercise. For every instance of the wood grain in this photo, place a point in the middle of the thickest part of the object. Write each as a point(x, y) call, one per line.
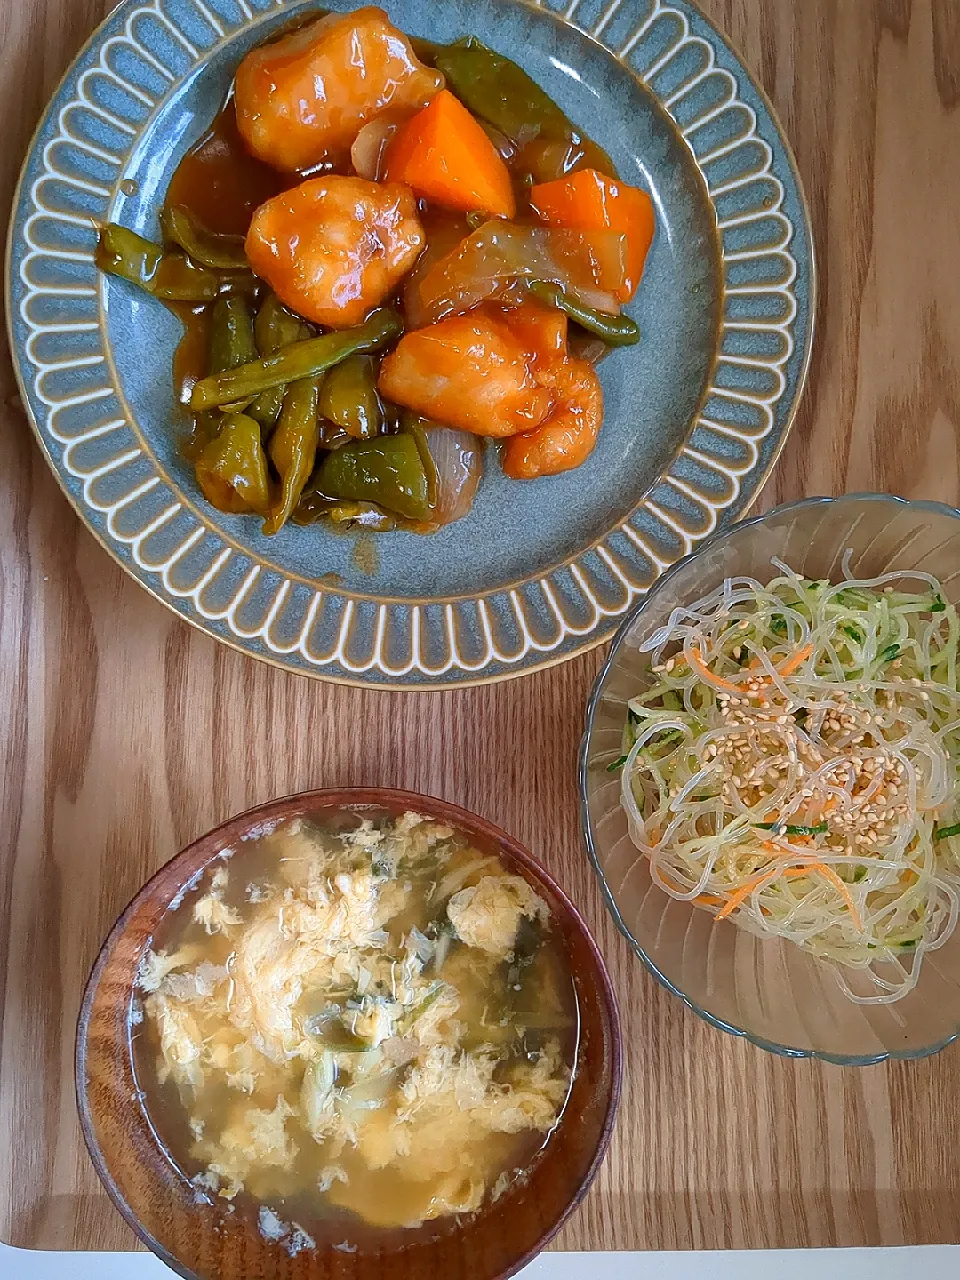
point(125, 733)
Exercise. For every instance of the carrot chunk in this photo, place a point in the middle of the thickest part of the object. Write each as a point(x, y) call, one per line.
point(444, 154)
point(590, 201)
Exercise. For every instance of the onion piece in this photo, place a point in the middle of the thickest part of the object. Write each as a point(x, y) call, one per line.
point(443, 232)
point(584, 346)
point(370, 145)
point(491, 261)
point(458, 456)
point(505, 148)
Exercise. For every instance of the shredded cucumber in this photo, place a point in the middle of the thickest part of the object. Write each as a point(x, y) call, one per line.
point(793, 762)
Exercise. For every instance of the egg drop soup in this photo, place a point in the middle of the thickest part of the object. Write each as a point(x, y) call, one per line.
point(358, 1028)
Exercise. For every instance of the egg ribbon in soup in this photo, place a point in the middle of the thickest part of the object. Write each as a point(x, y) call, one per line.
point(376, 1021)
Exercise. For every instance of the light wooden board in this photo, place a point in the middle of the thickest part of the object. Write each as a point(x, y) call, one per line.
point(125, 733)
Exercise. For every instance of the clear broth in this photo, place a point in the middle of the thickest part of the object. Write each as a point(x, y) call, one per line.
point(367, 1208)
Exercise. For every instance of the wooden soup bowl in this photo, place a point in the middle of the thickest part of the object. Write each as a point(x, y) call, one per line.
point(206, 1238)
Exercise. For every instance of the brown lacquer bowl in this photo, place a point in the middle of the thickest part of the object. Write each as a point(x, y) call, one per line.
point(206, 1240)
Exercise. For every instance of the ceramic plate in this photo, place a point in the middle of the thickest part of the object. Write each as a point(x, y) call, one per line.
point(538, 572)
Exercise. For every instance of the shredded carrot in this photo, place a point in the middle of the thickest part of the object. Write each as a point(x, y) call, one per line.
point(701, 900)
point(835, 880)
point(797, 660)
point(754, 883)
point(778, 848)
point(697, 660)
point(764, 877)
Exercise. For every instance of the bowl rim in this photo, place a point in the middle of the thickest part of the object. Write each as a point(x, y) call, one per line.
point(232, 829)
point(771, 1046)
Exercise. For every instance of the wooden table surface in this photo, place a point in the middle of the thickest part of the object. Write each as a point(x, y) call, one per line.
point(125, 733)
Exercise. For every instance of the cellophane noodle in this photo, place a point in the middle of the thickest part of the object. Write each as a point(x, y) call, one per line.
point(793, 765)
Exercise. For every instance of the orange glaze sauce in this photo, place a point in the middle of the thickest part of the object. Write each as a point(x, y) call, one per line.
point(222, 185)
point(220, 182)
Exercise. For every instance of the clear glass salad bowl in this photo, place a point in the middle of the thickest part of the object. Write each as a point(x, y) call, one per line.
point(768, 990)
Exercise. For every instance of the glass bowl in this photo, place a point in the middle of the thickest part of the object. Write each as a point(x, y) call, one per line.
point(768, 990)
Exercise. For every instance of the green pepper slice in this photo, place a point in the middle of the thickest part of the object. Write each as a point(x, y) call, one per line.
point(314, 506)
point(388, 471)
point(307, 359)
point(205, 428)
point(231, 334)
point(350, 400)
point(616, 331)
point(275, 328)
point(293, 449)
point(501, 93)
point(121, 252)
point(232, 469)
point(171, 277)
point(222, 253)
point(414, 425)
point(178, 280)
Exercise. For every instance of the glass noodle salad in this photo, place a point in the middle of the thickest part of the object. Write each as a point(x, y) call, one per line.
point(793, 766)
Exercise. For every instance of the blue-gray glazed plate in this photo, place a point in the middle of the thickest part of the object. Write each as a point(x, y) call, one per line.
point(538, 572)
